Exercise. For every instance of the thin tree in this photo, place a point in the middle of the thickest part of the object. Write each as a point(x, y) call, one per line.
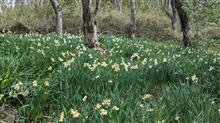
point(170, 11)
point(184, 21)
point(133, 19)
point(118, 5)
point(59, 21)
point(89, 23)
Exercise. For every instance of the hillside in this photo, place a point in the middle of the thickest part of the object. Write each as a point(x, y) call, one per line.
point(49, 79)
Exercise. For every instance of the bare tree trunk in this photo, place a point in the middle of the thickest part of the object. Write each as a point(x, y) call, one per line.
point(59, 21)
point(118, 5)
point(171, 13)
point(184, 21)
point(90, 24)
point(133, 19)
point(173, 20)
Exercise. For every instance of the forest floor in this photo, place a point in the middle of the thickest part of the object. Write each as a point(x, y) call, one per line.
point(46, 79)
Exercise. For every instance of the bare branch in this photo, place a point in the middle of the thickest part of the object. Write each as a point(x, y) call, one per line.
point(97, 7)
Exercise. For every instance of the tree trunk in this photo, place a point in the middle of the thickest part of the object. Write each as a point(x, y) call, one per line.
point(59, 21)
point(171, 12)
point(173, 19)
point(118, 5)
point(90, 25)
point(133, 19)
point(184, 21)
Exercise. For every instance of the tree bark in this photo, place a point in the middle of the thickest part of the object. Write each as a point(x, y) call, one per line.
point(133, 18)
point(184, 21)
point(171, 12)
point(90, 24)
point(58, 13)
point(173, 19)
point(118, 5)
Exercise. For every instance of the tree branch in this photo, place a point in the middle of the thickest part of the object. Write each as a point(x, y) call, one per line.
point(97, 7)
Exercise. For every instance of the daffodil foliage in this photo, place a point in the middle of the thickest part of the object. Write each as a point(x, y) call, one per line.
point(50, 79)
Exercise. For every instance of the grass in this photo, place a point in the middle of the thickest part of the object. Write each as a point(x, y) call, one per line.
point(43, 77)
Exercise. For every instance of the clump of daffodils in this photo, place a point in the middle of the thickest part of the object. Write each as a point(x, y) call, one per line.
point(68, 62)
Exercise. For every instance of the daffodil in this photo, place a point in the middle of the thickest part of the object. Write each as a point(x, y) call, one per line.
point(90, 56)
point(164, 60)
point(103, 112)
point(126, 66)
point(52, 59)
point(106, 102)
point(135, 56)
point(84, 98)
point(134, 67)
point(141, 105)
point(34, 83)
point(17, 49)
point(104, 64)
point(62, 117)
point(17, 86)
point(144, 62)
point(147, 97)
point(211, 68)
point(50, 68)
point(194, 78)
point(1, 96)
point(110, 81)
point(74, 113)
point(115, 108)
point(46, 84)
point(177, 118)
point(24, 93)
point(116, 67)
point(57, 43)
point(150, 110)
point(155, 62)
point(60, 59)
point(98, 106)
